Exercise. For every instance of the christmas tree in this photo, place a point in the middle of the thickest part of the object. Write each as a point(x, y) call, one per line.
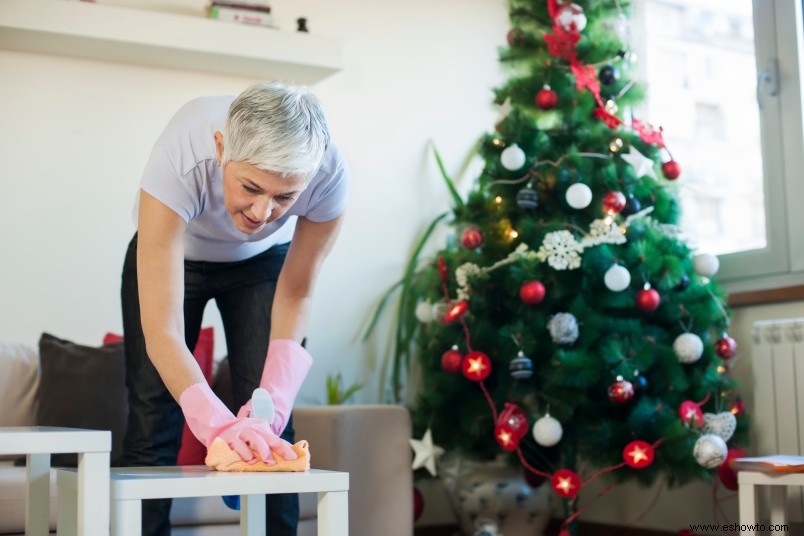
point(569, 323)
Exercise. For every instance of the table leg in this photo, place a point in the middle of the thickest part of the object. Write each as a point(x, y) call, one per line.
point(333, 513)
point(778, 504)
point(67, 518)
point(252, 515)
point(37, 503)
point(93, 493)
point(748, 509)
point(126, 518)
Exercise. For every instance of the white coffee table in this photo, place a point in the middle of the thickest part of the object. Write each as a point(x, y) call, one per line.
point(38, 443)
point(129, 486)
point(748, 483)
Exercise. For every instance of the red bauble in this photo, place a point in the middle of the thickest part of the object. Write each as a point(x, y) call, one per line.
point(513, 417)
point(506, 437)
point(726, 471)
point(726, 347)
point(621, 391)
point(638, 454)
point(614, 202)
point(418, 504)
point(691, 414)
point(471, 238)
point(565, 483)
point(647, 300)
point(476, 366)
point(455, 311)
point(451, 360)
point(671, 170)
point(532, 292)
point(546, 98)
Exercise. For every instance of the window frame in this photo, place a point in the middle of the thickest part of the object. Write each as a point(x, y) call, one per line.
point(778, 38)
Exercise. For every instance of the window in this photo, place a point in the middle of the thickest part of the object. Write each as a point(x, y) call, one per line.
point(724, 79)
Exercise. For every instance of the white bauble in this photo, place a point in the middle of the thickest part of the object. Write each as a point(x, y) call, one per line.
point(710, 451)
point(547, 431)
point(706, 264)
point(425, 312)
point(688, 347)
point(617, 278)
point(512, 158)
point(579, 195)
point(563, 328)
point(569, 14)
point(722, 424)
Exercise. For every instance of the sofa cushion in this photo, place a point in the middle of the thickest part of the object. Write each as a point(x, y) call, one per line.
point(19, 380)
point(82, 387)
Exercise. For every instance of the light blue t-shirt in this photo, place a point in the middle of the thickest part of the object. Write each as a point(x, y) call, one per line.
point(182, 173)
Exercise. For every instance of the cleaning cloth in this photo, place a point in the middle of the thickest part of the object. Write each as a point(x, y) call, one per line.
point(221, 458)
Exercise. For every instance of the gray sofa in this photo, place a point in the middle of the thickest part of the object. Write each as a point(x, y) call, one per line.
point(370, 442)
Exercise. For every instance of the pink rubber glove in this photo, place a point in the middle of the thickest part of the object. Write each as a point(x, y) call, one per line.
point(208, 418)
point(286, 366)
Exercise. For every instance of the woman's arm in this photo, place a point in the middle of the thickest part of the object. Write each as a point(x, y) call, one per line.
point(160, 276)
point(312, 242)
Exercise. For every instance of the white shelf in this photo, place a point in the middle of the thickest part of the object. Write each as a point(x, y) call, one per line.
point(126, 35)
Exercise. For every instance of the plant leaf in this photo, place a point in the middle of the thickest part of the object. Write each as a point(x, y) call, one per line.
point(456, 197)
point(407, 306)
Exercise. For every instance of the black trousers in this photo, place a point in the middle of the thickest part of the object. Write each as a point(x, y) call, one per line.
point(243, 292)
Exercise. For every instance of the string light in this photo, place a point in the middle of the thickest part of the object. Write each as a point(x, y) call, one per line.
point(615, 145)
point(456, 310)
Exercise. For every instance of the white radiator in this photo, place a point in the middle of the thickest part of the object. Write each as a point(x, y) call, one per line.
point(778, 419)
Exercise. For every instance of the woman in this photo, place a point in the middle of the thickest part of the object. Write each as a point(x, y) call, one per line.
point(241, 200)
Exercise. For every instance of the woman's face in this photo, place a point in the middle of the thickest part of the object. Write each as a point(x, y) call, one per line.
point(255, 197)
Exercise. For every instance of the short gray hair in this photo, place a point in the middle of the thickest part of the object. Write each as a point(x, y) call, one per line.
point(278, 128)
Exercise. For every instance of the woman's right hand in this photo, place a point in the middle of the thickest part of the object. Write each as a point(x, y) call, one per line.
point(208, 418)
point(247, 435)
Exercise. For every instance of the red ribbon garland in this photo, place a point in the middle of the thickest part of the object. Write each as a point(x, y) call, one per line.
point(552, 8)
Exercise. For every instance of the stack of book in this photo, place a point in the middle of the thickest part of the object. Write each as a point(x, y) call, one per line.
point(243, 11)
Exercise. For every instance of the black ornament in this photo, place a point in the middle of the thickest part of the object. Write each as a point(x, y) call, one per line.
point(302, 24)
point(632, 206)
point(683, 284)
point(608, 75)
point(527, 198)
point(521, 367)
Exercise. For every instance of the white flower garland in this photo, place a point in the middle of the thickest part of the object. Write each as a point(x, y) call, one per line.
point(560, 249)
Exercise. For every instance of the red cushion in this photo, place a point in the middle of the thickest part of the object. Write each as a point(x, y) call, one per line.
point(192, 451)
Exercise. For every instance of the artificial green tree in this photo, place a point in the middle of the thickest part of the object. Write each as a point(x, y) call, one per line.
point(568, 318)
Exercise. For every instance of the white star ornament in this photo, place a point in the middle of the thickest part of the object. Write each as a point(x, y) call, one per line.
point(425, 452)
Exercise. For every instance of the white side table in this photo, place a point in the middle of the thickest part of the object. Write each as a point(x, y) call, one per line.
point(748, 482)
point(38, 443)
point(129, 486)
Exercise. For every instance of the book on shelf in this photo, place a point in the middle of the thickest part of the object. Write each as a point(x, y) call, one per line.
point(242, 4)
point(244, 16)
point(779, 463)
